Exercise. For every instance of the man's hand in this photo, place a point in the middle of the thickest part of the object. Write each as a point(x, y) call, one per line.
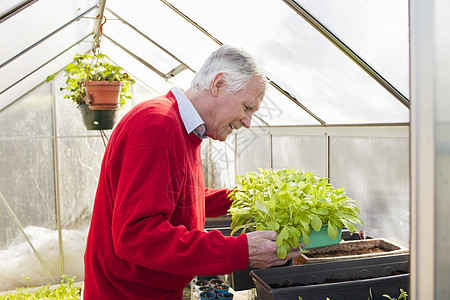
point(262, 250)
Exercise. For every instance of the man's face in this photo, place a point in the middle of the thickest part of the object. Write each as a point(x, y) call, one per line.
point(234, 110)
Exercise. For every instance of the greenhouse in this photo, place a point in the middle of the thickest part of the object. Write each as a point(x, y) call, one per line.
point(357, 93)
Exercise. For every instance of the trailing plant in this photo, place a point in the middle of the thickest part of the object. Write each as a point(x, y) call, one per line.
point(66, 290)
point(291, 202)
point(97, 67)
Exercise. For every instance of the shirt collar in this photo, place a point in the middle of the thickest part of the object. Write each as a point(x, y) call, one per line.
point(191, 119)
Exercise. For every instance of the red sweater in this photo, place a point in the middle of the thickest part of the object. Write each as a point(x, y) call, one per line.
point(146, 239)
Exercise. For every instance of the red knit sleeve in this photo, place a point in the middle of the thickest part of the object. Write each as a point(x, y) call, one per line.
point(148, 185)
point(216, 202)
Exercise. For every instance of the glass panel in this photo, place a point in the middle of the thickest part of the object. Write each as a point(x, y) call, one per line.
point(223, 162)
point(276, 110)
point(79, 168)
point(299, 59)
point(37, 21)
point(138, 44)
point(167, 28)
point(376, 30)
point(143, 93)
point(6, 5)
point(375, 172)
point(253, 151)
point(26, 182)
point(182, 80)
point(300, 152)
point(46, 51)
point(135, 68)
point(38, 76)
point(31, 116)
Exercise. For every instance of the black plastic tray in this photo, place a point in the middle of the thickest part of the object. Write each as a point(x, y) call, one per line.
point(240, 280)
point(377, 274)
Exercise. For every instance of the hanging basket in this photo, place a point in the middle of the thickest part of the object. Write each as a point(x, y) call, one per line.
point(100, 119)
point(104, 95)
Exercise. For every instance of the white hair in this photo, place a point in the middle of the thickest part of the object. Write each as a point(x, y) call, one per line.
point(237, 66)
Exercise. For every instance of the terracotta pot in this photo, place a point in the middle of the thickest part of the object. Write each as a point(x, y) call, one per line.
point(103, 94)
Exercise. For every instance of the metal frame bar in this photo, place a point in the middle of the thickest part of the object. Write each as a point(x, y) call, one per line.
point(46, 37)
point(424, 83)
point(98, 22)
point(369, 130)
point(347, 51)
point(16, 9)
point(56, 183)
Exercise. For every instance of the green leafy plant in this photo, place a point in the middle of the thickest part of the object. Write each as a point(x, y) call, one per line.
point(98, 67)
point(65, 290)
point(403, 295)
point(291, 202)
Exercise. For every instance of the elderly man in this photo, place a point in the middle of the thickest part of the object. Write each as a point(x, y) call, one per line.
point(146, 239)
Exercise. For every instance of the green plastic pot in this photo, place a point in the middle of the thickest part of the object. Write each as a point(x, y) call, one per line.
point(321, 238)
point(98, 119)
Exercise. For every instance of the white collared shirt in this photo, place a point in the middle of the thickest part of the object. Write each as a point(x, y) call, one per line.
point(191, 119)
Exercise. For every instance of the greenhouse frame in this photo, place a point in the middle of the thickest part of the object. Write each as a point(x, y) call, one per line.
point(358, 93)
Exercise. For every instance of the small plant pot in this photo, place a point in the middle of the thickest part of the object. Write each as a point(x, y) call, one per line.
point(220, 288)
point(216, 281)
point(200, 284)
point(207, 288)
point(103, 94)
point(207, 295)
point(321, 238)
point(98, 119)
point(225, 296)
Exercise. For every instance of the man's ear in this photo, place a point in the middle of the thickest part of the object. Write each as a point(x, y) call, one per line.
point(217, 84)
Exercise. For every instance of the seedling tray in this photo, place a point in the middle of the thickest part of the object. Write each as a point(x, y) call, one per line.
point(343, 280)
point(325, 254)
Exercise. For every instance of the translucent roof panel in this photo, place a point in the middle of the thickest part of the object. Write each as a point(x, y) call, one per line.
point(276, 109)
point(36, 22)
point(157, 21)
point(137, 43)
point(6, 5)
point(299, 59)
point(134, 67)
point(38, 76)
point(45, 51)
point(376, 30)
point(182, 80)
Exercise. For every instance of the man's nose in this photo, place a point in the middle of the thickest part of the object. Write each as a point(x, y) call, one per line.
point(247, 120)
